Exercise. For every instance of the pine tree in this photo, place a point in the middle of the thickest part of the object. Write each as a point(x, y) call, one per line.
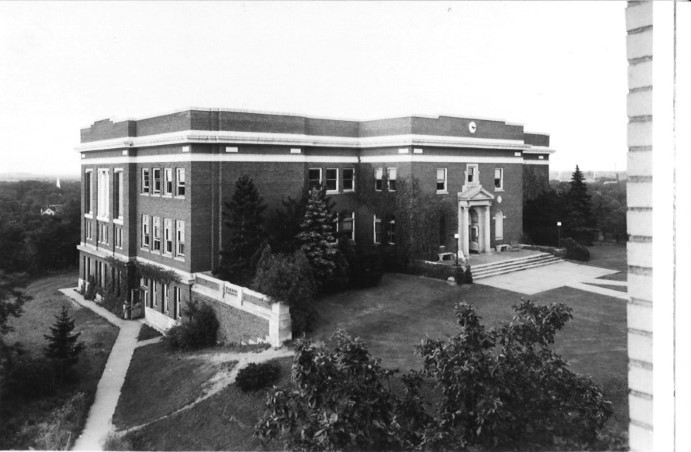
point(246, 233)
point(63, 349)
point(316, 235)
point(579, 211)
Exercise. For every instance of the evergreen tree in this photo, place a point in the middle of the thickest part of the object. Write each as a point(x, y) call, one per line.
point(245, 226)
point(579, 215)
point(316, 235)
point(63, 349)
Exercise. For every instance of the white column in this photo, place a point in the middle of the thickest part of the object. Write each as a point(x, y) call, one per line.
point(465, 237)
point(486, 231)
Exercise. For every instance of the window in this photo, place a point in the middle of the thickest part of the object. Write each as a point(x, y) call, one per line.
point(157, 233)
point(391, 231)
point(157, 180)
point(118, 237)
point(164, 289)
point(103, 206)
point(347, 226)
point(176, 303)
point(180, 238)
point(498, 178)
point(168, 181)
point(103, 233)
point(391, 178)
point(154, 294)
point(89, 229)
point(88, 208)
point(472, 176)
point(332, 179)
point(348, 179)
point(314, 177)
point(119, 198)
point(378, 176)
point(377, 230)
point(146, 180)
point(441, 180)
point(168, 235)
point(180, 181)
point(499, 225)
point(146, 231)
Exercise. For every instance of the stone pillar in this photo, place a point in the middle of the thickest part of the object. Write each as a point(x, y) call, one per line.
point(487, 231)
point(280, 327)
point(465, 237)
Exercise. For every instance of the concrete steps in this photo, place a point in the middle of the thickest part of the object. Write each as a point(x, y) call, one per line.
point(513, 265)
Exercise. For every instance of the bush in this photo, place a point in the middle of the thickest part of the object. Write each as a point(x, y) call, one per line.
point(90, 292)
point(575, 250)
point(458, 275)
point(29, 379)
point(147, 332)
point(436, 271)
point(468, 275)
point(366, 270)
point(258, 376)
point(199, 328)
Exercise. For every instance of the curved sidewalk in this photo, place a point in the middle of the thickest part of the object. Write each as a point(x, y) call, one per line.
point(99, 421)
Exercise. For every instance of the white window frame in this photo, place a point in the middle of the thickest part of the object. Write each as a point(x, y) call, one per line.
point(378, 179)
point(103, 194)
point(118, 237)
point(146, 231)
point(119, 202)
point(168, 236)
point(476, 174)
point(166, 304)
point(352, 221)
point(391, 240)
point(102, 233)
point(499, 225)
point(326, 181)
point(168, 182)
point(391, 176)
point(179, 238)
point(154, 190)
point(180, 182)
point(89, 194)
point(146, 181)
point(376, 221)
point(321, 177)
point(88, 226)
point(154, 295)
point(445, 188)
point(501, 179)
point(156, 234)
point(177, 314)
point(352, 180)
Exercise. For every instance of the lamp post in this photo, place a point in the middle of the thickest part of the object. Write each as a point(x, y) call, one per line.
point(558, 234)
point(456, 236)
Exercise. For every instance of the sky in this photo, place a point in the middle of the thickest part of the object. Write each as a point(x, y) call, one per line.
point(555, 67)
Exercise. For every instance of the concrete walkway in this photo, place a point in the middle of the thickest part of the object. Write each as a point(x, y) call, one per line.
point(99, 421)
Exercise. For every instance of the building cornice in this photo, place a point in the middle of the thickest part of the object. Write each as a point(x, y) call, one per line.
point(539, 150)
point(289, 139)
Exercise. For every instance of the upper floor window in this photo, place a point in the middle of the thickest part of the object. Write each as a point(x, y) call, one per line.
point(146, 230)
point(168, 235)
point(103, 194)
point(146, 180)
point(348, 179)
point(391, 231)
point(157, 180)
point(331, 179)
point(499, 225)
point(118, 191)
point(88, 206)
point(378, 178)
point(391, 178)
point(176, 303)
point(314, 177)
point(168, 181)
point(157, 234)
point(180, 238)
point(378, 232)
point(103, 233)
point(347, 226)
point(499, 178)
point(180, 182)
point(441, 180)
point(117, 237)
point(472, 176)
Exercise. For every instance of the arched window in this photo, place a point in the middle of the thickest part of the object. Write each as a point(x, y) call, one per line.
point(499, 225)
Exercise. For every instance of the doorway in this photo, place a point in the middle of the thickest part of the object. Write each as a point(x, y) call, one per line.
point(474, 232)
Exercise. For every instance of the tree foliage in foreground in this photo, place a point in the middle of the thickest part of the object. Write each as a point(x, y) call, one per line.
point(500, 388)
point(12, 300)
point(317, 235)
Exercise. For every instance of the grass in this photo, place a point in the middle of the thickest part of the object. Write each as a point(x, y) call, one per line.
point(160, 381)
point(147, 332)
point(55, 422)
point(222, 422)
point(608, 255)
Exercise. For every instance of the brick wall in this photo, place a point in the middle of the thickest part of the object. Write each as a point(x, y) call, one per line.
point(236, 325)
point(639, 52)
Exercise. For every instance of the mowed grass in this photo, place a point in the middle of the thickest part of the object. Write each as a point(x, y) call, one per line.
point(611, 256)
point(160, 381)
point(224, 421)
point(393, 317)
point(50, 421)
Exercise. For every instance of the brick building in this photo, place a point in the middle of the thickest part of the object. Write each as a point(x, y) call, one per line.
point(154, 188)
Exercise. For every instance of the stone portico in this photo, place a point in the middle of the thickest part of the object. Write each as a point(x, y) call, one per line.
point(474, 204)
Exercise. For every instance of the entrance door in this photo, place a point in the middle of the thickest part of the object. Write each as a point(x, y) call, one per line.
point(474, 235)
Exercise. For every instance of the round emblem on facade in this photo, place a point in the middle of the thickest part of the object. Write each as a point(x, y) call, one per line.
point(499, 199)
point(472, 127)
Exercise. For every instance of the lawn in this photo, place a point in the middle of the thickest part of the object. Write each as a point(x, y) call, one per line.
point(393, 317)
point(224, 421)
point(55, 422)
point(611, 256)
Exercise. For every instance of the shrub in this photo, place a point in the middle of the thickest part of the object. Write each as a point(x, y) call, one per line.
point(90, 292)
point(430, 270)
point(458, 275)
point(366, 270)
point(575, 250)
point(468, 275)
point(199, 327)
point(147, 332)
point(258, 376)
point(29, 379)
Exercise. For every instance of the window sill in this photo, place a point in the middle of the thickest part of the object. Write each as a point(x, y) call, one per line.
point(156, 193)
point(89, 216)
point(118, 220)
point(331, 192)
point(180, 258)
point(442, 192)
point(167, 195)
point(499, 189)
point(179, 196)
point(350, 190)
point(143, 248)
point(104, 219)
point(145, 194)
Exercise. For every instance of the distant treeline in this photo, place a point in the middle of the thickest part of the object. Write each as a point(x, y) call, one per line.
point(31, 242)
